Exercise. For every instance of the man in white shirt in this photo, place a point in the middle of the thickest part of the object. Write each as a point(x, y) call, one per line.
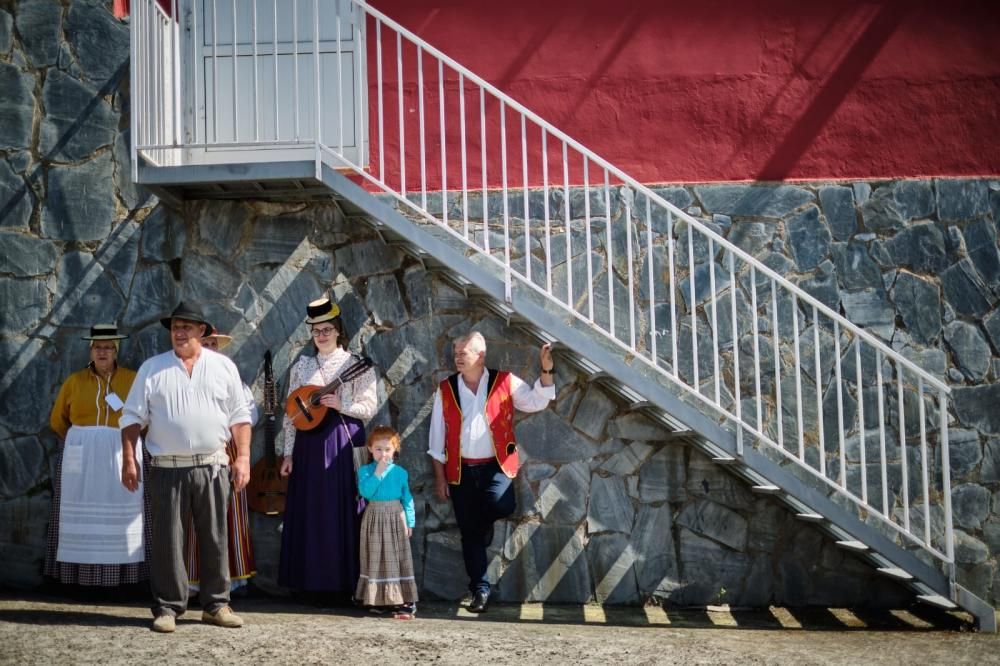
point(473, 448)
point(191, 400)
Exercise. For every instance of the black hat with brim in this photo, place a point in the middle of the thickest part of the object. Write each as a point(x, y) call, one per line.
point(188, 313)
point(104, 332)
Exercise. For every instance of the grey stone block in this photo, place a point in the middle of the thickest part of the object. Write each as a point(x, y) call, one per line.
point(970, 505)
point(163, 235)
point(121, 254)
point(981, 242)
point(25, 303)
point(366, 257)
point(609, 508)
point(101, 42)
point(546, 437)
point(154, 295)
point(822, 287)
point(594, 411)
point(74, 209)
point(418, 286)
point(809, 239)
point(838, 206)
point(132, 195)
point(652, 541)
point(753, 200)
point(206, 278)
point(547, 564)
point(562, 499)
point(920, 247)
point(635, 426)
point(77, 120)
point(23, 522)
point(22, 466)
point(861, 192)
point(975, 407)
point(914, 198)
point(274, 240)
point(662, 477)
point(6, 31)
point(880, 212)
point(36, 382)
point(764, 526)
point(715, 522)
point(26, 256)
point(85, 292)
point(612, 564)
point(385, 301)
point(969, 550)
point(869, 308)
point(712, 573)
point(965, 290)
point(753, 237)
point(707, 479)
point(703, 274)
point(969, 349)
point(628, 460)
point(16, 199)
point(918, 302)
point(965, 452)
point(444, 568)
point(678, 196)
point(959, 200)
point(39, 24)
point(990, 470)
point(855, 267)
point(17, 106)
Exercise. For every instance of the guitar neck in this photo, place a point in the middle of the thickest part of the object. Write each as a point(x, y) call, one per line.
point(270, 430)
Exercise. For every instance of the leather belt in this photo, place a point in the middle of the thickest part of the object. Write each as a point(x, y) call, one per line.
point(477, 461)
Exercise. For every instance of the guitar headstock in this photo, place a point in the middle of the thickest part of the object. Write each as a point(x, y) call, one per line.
point(270, 386)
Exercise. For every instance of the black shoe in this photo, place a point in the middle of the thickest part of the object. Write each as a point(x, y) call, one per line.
point(479, 600)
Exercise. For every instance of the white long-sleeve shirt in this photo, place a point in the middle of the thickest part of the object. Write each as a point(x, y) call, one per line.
point(358, 398)
point(186, 415)
point(476, 440)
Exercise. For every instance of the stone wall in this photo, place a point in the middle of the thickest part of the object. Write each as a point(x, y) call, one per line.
point(608, 509)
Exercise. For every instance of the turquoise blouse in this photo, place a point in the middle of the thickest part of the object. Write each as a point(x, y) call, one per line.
point(394, 484)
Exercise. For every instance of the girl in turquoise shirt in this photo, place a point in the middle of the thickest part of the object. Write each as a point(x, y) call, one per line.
point(386, 582)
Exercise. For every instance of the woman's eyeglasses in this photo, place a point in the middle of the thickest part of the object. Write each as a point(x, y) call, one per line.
point(323, 332)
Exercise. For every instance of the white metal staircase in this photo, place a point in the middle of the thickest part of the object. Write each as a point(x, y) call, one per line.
point(654, 303)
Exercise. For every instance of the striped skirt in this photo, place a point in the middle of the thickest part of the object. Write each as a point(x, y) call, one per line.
point(386, 563)
point(241, 564)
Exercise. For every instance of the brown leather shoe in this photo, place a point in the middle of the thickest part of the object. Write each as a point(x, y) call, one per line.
point(164, 624)
point(224, 617)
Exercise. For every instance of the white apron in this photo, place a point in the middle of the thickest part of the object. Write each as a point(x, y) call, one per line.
point(100, 521)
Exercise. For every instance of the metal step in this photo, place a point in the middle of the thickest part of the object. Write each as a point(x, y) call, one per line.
point(851, 544)
point(937, 600)
point(765, 489)
point(895, 572)
point(810, 517)
point(724, 460)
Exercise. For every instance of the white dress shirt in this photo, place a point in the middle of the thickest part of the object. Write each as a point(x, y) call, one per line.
point(186, 415)
point(476, 439)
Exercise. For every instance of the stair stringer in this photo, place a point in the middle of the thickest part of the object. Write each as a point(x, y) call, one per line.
point(713, 437)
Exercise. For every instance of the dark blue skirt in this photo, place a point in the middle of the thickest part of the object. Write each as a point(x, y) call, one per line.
point(319, 539)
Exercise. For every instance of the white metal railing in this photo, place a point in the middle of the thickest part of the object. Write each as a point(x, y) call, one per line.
point(716, 323)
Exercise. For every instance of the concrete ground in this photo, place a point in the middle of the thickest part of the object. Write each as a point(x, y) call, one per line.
point(48, 629)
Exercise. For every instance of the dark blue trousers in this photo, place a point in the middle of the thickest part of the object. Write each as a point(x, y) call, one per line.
point(484, 496)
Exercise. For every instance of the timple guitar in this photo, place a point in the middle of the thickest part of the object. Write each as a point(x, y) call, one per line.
point(266, 490)
point(303, 406)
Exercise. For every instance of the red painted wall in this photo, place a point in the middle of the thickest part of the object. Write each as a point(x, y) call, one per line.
point(715, 90)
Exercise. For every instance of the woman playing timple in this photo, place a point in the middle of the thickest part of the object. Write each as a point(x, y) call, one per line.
point(98, 530)
point(319, 539)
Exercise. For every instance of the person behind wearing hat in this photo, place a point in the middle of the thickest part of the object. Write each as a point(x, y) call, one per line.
point(97, 532)
point(241, 562)
point(319, 539)
point(192, 402)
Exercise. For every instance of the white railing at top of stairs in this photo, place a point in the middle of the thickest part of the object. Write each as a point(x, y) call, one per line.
point(769, 363)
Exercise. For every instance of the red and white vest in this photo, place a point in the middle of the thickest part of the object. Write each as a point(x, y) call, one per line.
point(499, 418)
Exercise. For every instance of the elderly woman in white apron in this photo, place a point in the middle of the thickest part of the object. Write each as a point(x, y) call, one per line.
point(98, 530)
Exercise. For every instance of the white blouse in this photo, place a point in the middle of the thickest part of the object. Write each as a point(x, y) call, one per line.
point(358, 397)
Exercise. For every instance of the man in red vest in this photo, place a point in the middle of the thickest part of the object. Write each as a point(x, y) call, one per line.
point(474, 451)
